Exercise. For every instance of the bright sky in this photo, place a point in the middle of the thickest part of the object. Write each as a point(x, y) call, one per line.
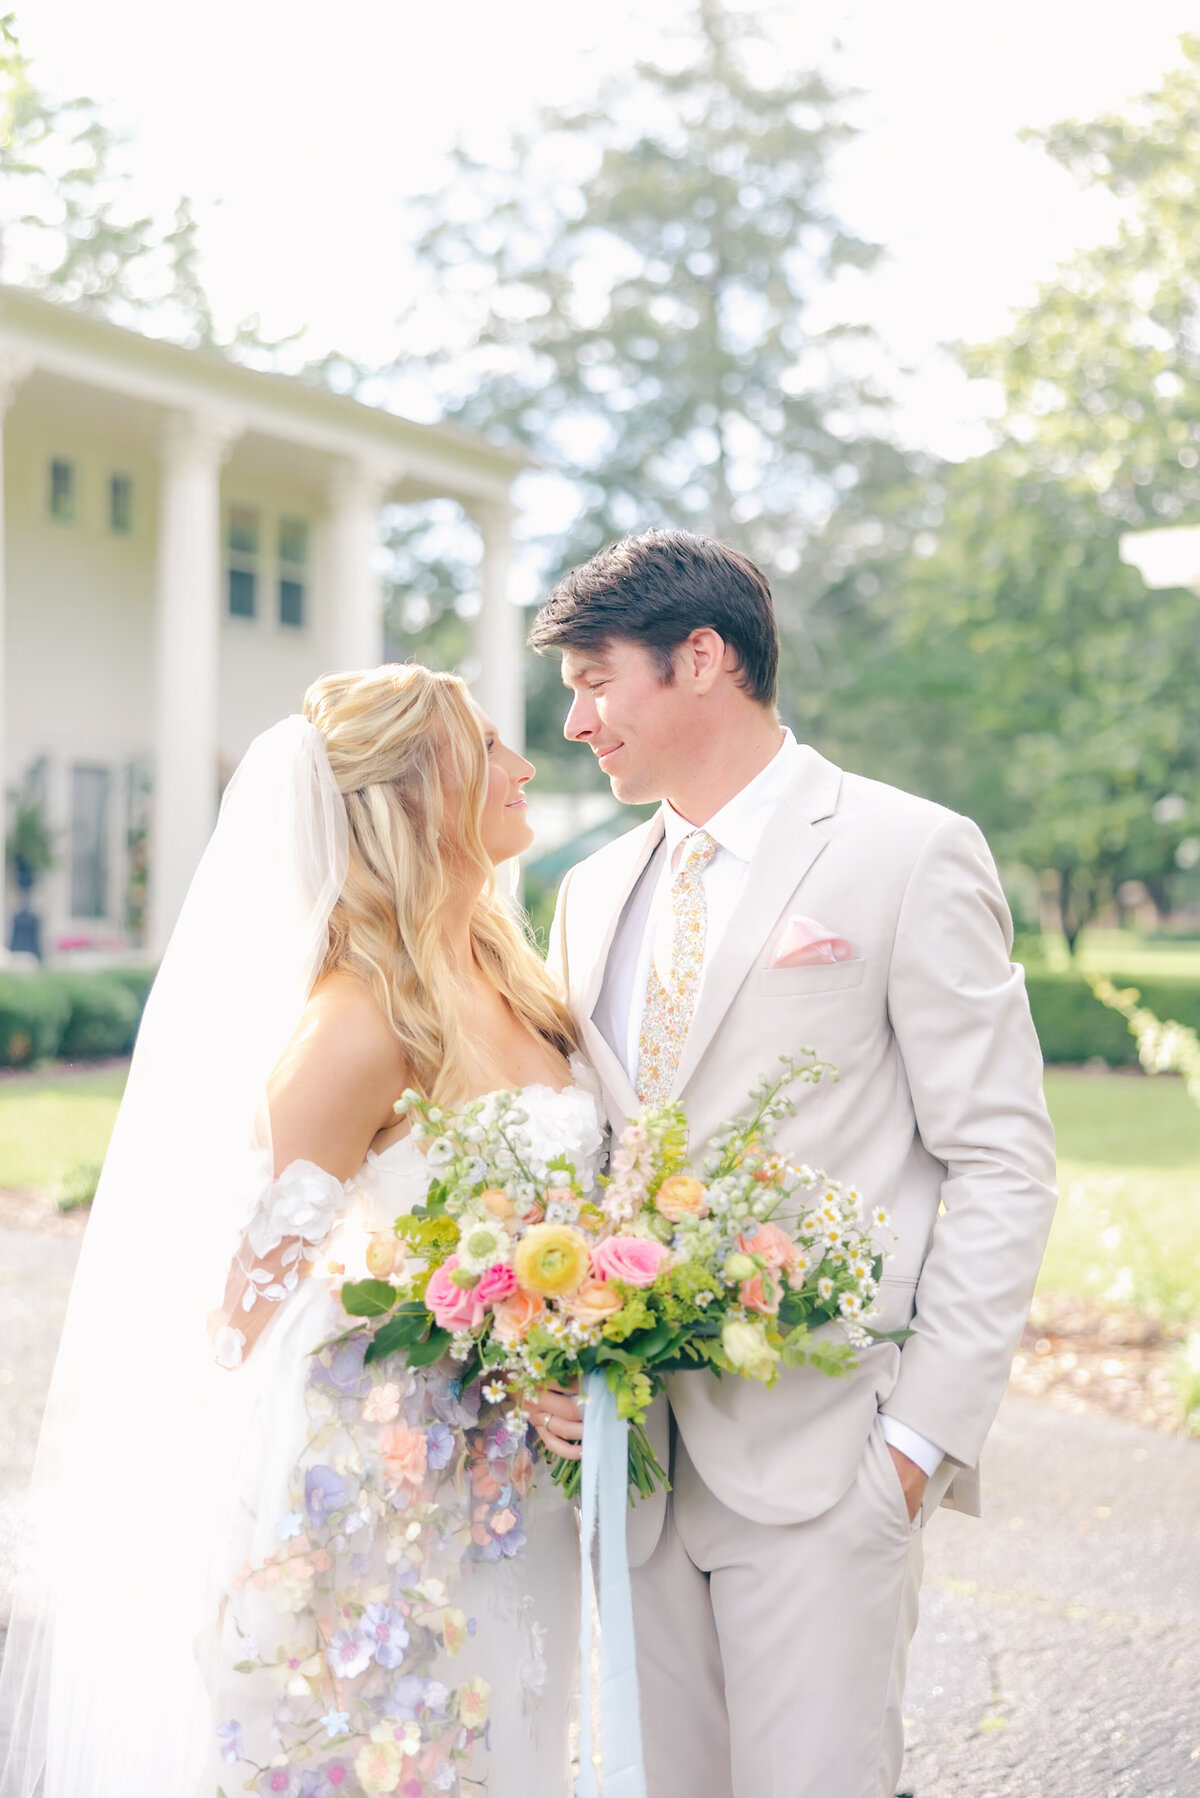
point(299, 130)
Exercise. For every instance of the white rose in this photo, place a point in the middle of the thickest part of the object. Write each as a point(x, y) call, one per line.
point(748, 1350)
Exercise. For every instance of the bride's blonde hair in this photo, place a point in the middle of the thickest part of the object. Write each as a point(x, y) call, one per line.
point(408, 755)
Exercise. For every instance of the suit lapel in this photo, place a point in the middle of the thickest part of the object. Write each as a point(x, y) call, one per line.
point(606, 910)
point(790, 845)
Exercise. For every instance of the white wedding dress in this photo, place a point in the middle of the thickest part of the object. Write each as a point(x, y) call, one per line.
point(380, 1523)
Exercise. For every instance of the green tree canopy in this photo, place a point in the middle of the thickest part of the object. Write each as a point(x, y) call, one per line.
point(642, 299)
point(1027, 676)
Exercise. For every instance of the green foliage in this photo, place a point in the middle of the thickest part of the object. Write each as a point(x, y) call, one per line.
point(77, 1188)
point(368, 1298)
point(1186, 1369)
point(71, 233)
point(1074, 1026)
point(1011, 665)
point(633, 296)
point(76, 1016)
point(103, 1018)
point(33, 1019)
point(30, 839)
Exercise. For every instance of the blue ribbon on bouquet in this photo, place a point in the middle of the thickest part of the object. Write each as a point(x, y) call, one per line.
point(616, 1749)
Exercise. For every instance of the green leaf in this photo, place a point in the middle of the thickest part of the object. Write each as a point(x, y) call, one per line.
point(369, 1298)
point(245, 1666)
point(424, 1354)
point(403, 1331)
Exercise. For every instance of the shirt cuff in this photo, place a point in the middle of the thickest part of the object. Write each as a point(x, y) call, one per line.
point(898, 1435)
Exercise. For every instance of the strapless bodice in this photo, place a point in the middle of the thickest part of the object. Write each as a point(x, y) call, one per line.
point(559, 1121)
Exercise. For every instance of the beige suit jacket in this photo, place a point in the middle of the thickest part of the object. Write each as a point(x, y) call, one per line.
point(938, 1114)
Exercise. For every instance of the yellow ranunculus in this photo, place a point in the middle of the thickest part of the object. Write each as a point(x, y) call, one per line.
point(551, 1259)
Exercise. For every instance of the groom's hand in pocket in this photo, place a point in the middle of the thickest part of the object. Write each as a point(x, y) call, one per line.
point(914, 1480)
point(557, 1416)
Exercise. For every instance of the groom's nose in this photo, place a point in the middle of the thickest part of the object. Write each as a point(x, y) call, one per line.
point(581, 719)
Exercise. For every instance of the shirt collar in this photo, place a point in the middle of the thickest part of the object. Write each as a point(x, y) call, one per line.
point(739, 825)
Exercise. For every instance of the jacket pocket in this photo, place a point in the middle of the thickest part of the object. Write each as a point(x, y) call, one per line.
point(824, 977)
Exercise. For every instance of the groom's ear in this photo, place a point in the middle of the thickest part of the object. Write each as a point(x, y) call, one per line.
point(702, 659)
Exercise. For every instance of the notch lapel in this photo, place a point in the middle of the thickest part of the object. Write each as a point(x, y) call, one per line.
point(603, 914)
point(790, 845)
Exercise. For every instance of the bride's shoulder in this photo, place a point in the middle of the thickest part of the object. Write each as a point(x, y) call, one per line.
point(334, 1086)
point(346, 1027)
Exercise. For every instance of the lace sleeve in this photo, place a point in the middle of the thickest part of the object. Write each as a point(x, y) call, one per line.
point(286, 1229)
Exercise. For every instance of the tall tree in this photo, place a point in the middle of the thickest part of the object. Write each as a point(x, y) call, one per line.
point(637, 293)
point(1028, 676)
point(70, 227)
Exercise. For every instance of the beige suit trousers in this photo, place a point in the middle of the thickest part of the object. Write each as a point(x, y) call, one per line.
point(771, 1657)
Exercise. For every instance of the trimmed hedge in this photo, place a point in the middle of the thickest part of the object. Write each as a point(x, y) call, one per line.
point(1073, 1025)
point(33, 1018)
point(75, 1016)
point(86, 1016)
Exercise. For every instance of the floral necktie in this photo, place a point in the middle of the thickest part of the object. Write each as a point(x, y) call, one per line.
point(669, 1006)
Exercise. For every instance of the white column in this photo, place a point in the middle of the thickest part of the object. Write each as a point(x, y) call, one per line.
point(499, 628)
point(194, 446)
point(356, 492)
point(13, 370)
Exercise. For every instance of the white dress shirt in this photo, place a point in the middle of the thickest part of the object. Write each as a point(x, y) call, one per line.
point(643, 939)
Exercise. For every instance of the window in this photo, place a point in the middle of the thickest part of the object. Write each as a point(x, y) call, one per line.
point(243, 561)
point(62, 490)
point(120, 504)
point(293, 568)
point(89, 842)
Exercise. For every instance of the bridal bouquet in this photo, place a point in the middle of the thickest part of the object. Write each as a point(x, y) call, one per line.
point(729, 1264)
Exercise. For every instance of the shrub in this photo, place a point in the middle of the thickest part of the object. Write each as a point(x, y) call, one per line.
point(137, 980)
point(79, 1016)
point(33, 1017)
point(1073, 1025)
point(103, 1017)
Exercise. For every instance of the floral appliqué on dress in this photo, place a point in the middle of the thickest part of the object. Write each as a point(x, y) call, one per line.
point(354, 1620)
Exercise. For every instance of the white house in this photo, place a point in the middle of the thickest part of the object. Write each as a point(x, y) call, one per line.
point(184, 545)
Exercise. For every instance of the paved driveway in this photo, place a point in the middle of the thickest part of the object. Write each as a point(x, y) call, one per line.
point(1058, 1654)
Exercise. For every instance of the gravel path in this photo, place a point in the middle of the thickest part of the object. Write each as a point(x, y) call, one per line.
point(1058, 1654)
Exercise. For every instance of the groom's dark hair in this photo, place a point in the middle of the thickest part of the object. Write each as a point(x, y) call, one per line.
point(655, 590)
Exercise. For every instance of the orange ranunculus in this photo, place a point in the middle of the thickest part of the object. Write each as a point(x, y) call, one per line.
point(516, 1315)
point(595, 1301)
point(680, 1196)
point(496, 1202)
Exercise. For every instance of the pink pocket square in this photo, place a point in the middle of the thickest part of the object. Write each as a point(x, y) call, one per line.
point(807, 944)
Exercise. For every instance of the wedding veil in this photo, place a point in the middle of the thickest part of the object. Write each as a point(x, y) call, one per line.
point(101, 1693)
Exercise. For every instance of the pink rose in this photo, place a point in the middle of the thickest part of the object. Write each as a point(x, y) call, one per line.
point(453, 1307)
point(632, 1259)
point(773, 1244)
point(496, 1284)
point(760, 1293)
point(404, 1454)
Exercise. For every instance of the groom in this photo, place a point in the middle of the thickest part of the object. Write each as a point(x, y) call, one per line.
point(774, 902)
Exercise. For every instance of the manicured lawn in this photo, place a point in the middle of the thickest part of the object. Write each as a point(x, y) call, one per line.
point(1128, 1222)
point(1125, 952)
point(52, 1123)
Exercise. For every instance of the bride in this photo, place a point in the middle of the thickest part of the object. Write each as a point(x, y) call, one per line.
point(261, 1565)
